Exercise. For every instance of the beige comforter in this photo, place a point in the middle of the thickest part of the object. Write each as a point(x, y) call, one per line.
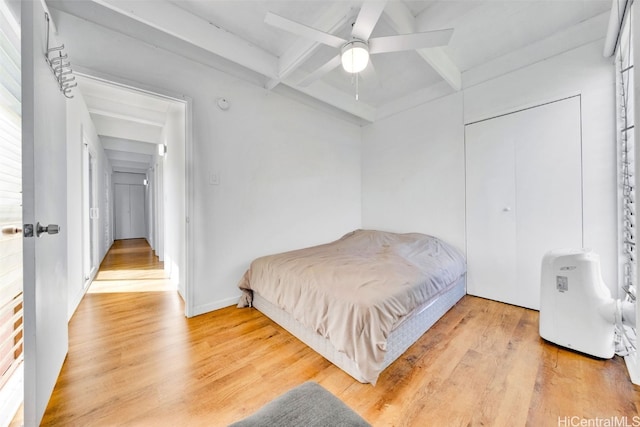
point(354, 291)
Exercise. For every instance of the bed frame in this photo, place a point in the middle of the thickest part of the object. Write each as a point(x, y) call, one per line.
point(400, 339)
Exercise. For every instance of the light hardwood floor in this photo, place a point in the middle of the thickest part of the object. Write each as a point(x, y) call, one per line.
point(135, 360)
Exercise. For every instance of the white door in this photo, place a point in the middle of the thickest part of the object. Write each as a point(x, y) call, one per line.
point(138, 216)
point(44, 201)
point(130, 211)
point(524, 198)
point(491, 216)
point(122, 211)
point(90, 214)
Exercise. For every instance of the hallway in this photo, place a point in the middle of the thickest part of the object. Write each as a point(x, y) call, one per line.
point(130, 274)
point(130, 312)
point(131, 266)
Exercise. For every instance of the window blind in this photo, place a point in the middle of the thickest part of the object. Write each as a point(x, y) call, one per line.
point(11, 334)
point(625, 113)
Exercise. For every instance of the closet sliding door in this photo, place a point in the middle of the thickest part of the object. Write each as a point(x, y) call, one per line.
point(523, 198)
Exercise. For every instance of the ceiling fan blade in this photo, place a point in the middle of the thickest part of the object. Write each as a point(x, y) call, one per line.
point(333, 63)
point(367, 19)
point(303, 30)
point(410, 41)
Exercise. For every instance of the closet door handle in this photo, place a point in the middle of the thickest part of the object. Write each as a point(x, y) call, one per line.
point(506, 209)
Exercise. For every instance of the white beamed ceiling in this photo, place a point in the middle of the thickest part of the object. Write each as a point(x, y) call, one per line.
point(489, 35)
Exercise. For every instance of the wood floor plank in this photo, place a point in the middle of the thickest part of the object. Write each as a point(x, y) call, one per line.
point(135, 360)
point(513, 385)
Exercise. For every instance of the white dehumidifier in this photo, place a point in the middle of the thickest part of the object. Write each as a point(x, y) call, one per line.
point(576, 308)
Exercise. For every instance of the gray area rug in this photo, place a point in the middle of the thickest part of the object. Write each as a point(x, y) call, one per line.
point(308, 405)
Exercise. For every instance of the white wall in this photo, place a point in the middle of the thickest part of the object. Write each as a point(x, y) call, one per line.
point(289, 176)
point(413, 163)
point(413, 171)
point(173, 169)
point(78, 124)
point(157, 210)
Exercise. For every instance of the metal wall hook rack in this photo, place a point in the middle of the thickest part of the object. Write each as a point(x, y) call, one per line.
point(60, 66)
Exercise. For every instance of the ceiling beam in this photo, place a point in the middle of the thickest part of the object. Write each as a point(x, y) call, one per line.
point(122, 116)
point(442, 64)
point(123, 110)
point(333, 19)
point(124, 169)
point(129, 156)
point(403, 22)
point(129, 164)
point(445, 14)
point(336, 98)
point(414, 99)
point(173, 20)
point(585, 32)
point(118, 128)
point(129, 145)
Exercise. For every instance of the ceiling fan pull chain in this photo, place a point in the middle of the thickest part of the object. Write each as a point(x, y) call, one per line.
point(352, 56)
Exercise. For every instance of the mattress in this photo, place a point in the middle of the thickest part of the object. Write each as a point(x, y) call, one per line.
point(357, 290)
point(399, 340)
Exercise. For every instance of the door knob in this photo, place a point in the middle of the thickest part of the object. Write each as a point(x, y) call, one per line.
point(49, 229)
point(506, 209)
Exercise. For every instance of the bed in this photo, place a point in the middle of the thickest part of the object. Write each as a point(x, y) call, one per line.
point(361, 300)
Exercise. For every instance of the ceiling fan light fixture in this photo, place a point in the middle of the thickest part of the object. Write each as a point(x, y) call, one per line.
point(355, 56)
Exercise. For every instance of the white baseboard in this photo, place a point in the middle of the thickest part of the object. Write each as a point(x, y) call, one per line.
point(215, 305)
point(633, 366)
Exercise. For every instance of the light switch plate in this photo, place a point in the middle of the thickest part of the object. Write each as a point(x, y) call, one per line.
point(214, 178)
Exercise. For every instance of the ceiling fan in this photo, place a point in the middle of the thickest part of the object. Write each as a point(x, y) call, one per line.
point(354, 53)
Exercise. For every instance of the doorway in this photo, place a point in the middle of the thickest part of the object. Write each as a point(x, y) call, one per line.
point(142, 142)
point(130, 218)
point(91, 213)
